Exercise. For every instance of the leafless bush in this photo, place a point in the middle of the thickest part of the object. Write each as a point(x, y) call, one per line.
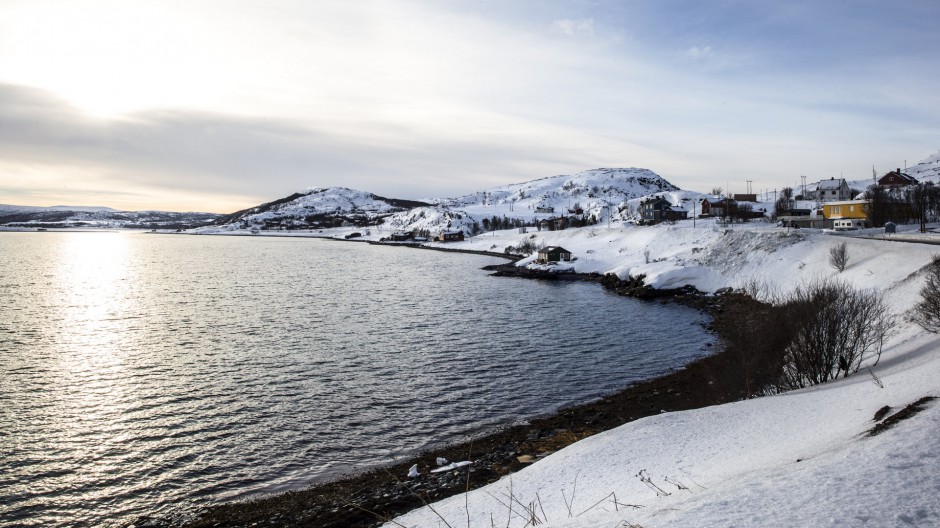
point(927, 311)
point(833, 326)
point(839, 257)
point(810, 336)
point(524, 248)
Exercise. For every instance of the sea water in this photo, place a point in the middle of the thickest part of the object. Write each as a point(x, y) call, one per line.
point(142, 373)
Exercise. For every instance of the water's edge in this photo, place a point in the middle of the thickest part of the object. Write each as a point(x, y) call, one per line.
point(371, 498)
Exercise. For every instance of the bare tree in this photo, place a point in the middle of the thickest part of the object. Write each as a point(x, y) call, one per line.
point(744, 212)
point(834, 327)
point(783, 204)
point(839, 257)
point(927, 311)
point(717, 191)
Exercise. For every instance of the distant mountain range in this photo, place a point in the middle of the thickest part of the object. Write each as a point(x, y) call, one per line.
point(63, 216)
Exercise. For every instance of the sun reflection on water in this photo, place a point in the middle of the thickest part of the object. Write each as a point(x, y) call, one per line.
point(143, 373)
point(94, 286)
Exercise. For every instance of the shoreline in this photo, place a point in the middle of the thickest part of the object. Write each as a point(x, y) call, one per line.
point(365, 500)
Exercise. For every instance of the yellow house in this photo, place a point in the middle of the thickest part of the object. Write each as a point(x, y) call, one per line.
point(849, 209)
point(847, 215)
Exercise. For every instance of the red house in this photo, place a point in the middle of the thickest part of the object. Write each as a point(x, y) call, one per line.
point(896, 178)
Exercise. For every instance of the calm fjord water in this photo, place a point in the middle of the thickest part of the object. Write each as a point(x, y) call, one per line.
point(142, 373)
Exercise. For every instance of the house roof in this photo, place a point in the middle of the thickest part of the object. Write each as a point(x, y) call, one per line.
point(831, 184)
point(905, 177)
point(550, 249)
point(846, 202)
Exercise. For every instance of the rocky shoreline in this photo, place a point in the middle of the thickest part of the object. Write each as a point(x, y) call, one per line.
point(369, 499)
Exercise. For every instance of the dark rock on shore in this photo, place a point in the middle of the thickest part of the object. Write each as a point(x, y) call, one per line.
point(511, 270)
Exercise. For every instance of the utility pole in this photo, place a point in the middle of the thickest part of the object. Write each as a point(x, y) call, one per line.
point(923, 205)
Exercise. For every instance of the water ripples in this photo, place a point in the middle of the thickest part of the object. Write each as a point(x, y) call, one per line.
point(141, 373)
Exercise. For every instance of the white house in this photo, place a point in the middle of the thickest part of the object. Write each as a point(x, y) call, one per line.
point(833, 190)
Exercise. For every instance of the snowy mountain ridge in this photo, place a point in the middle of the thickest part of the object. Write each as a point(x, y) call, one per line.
point(318, 207)
point(591, 189)
point(595, 193)
point(927, 169)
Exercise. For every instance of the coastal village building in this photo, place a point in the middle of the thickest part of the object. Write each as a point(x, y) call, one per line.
point(658, 209)
point(705, 207)
point(833, 190)
point(450, 236)
point(850, 214)
point(896, 179)
point(721, 208)
point(553, 254)
point(803, 213)
point(402, 236)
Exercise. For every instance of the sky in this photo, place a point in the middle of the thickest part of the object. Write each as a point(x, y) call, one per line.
point(220, 105)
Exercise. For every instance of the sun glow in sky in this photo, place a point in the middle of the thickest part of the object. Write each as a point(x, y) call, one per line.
point(220, 105)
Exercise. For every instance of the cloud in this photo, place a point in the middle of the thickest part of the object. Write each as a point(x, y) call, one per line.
point(699, 53)
point(422, 99)
point(571, 27)
point(214, 155)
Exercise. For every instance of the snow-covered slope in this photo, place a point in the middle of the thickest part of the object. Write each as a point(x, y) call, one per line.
point(591, 194)
point(927, 169)
point(590, 189)
point(802, 458)
point(318, 207)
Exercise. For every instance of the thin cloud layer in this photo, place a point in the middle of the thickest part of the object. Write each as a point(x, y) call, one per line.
point(231, 103)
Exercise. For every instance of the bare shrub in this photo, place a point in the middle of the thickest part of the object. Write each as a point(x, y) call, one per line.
point(927, 311)
point(833, 326)
point(839, 257)
point(807, 337)
point(524, 248)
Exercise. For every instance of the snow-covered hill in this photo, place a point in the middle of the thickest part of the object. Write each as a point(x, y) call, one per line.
point(802, 458)
point(927, 169)
point(592, 189)
point(590, 195)
point(318, 207)
point(63, 216)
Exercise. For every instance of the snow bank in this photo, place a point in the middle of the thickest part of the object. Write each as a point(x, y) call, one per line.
point(796, 459)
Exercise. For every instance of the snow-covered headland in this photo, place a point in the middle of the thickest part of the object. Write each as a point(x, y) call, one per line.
point(796, 459)
point(801, 458)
